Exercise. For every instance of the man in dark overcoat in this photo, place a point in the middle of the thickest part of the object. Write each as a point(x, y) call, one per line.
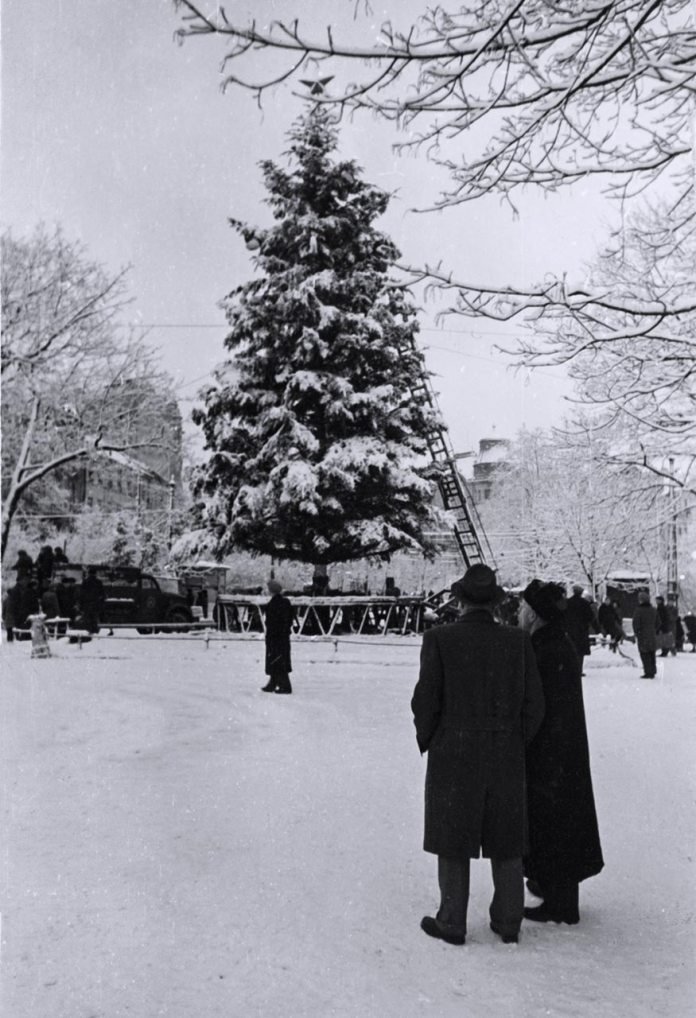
point(579, 620)
point(279, 619)
point(564, 844)
point(645, 631)
point(91, 599)
point(477, 702)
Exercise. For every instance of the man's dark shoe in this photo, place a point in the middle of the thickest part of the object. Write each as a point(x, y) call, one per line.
point(433, 929)
point(541, 914)
point(507, 938)
point(283, 691)
point(267, 689)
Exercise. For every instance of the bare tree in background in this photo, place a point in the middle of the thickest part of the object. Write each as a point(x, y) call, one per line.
point(67, 371)
point(561, 510)
point(512, 94)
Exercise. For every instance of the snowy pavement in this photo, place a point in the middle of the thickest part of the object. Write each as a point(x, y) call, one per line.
point(177, 843)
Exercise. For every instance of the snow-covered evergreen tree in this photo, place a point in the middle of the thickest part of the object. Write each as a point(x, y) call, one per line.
point(315, 443)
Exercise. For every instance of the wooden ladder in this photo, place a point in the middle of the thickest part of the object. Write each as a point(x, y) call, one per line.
point(468, 531)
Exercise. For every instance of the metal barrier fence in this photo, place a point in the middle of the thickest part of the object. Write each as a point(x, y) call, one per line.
point(326, 616)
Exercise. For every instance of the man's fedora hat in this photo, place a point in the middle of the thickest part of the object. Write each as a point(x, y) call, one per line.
point(478, 585)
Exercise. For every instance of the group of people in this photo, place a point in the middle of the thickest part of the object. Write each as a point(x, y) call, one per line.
point(41, 587)
point(499, 710)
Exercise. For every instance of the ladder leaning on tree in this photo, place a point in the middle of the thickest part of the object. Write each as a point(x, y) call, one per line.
point(468, 532)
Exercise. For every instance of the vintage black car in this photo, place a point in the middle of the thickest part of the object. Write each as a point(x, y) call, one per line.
point(133, 598)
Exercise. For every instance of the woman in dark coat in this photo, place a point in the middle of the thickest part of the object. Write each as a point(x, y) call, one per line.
point(564, 846)
point(279, 619)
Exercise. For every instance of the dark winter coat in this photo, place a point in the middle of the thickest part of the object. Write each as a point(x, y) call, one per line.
point(645, 628)
point(44, 567)
point(579, 619)
point(91, 599)
point(24, 566)
point(49, 604)
point(610, 621)
point(23, 601)
point(563, 832)
point(279, 619)
point(477, 701)
point(67, 597)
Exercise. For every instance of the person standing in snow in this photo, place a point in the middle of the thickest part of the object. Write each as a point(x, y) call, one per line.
point(645, 632)
point(610, 623)
point(477, 701)
point(279, 620)
point(579, 619)
point(91, 600)
point(564, 845)
point(666, 626)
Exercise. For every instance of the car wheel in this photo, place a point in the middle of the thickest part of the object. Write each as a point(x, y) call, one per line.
point(179, 616)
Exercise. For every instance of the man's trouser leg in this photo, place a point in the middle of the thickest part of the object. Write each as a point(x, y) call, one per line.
point(453, 878)
point(507, 906)
point(649, 663)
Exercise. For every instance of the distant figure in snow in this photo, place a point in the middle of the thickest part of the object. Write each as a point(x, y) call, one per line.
point(279, 620)
point(610, 623)
point(667, 615)
point(477, 701)
point(579, 620)
point(645, 632)
point(24, 566)
point(44, 567)
point(59, 556)
point(690, 626)
point(91, 599)
point(564, 846)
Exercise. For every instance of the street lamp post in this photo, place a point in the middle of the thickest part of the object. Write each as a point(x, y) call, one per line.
point(672, 552)
point(170, 513)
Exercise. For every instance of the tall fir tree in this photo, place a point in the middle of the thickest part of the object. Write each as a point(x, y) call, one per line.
point(316, 444)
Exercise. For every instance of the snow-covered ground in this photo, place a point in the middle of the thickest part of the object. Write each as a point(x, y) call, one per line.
point(178, 843)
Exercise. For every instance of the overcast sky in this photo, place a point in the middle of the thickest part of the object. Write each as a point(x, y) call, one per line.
point(124, 138)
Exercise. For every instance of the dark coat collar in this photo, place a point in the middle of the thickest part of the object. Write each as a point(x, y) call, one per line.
point(477, 615)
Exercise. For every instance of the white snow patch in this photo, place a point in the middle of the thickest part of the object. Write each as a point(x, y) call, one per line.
point(177, 843)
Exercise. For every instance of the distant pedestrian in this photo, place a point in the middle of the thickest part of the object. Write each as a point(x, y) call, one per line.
point(279, 619)
point(610, 623)
point(690, 627)
point(66, 592)
point(10, 599)
point(477, 702)
point(91, 598)
point(564, 845)
point(579, 620)
point(24, 566)
point(49, 602)
point(25, 602)
point(59, 557)
point(666, 627)
point(645, 632)
point(44, 567)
